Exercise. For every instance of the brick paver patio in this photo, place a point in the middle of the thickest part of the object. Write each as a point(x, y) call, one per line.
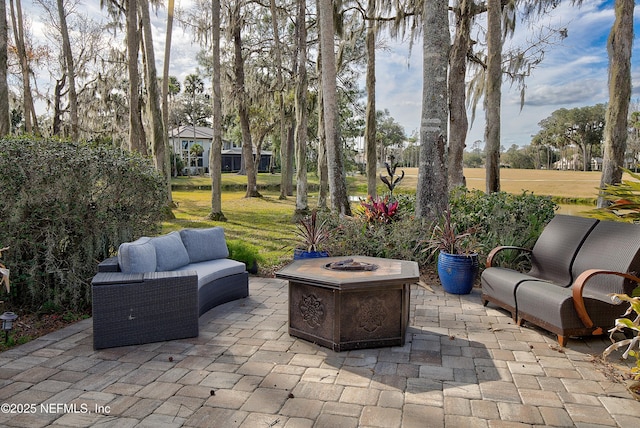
point(462, 365)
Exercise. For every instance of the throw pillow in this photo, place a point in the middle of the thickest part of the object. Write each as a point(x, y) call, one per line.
point(138, 256)
point(170, 252)
point(205, 244)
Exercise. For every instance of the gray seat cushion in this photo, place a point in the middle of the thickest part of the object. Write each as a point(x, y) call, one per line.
point(211, 270)
point(205, 244)
point(501, 283)
point(138, 256)
point(554, 306)
point(170, 252)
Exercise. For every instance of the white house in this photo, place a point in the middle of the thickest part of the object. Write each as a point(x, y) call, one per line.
point(183, 138)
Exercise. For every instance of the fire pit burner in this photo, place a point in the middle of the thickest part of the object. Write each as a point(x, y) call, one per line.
point(351, 265)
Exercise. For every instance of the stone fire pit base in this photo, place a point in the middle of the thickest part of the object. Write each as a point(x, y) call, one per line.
point(345, 310)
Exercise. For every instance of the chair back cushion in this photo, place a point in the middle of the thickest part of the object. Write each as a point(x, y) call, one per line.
point(170, 252)
point(555, 250)
point(612, 246)
point(205, 244)
point(138, 256)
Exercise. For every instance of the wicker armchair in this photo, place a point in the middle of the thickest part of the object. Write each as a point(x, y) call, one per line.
point(577, 263)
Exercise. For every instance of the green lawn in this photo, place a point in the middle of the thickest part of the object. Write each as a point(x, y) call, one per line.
point(264, 222)
point(267, 222)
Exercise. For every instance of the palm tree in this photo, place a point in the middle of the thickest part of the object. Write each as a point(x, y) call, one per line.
point(370, 125)
point(432, 194)
point(301, 110)
point(493, 94)
point(215, 154)
point(337, 180)
point(615, 132)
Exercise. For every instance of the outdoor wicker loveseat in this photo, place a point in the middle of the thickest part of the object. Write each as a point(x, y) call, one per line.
point(157, 288)
point(576, 263)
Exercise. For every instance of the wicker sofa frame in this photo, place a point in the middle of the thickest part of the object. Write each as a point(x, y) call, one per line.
point(138, 308)
point(576, 264)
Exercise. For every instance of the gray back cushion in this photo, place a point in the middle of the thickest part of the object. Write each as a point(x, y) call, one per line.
point(170, 252)
point(611, 246)
point(205, 244)
point(137, 257)
point(555, 249)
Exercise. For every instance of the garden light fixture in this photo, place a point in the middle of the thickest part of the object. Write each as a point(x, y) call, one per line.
point(7, 323)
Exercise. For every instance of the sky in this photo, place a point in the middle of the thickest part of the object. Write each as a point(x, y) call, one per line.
point(572, 74)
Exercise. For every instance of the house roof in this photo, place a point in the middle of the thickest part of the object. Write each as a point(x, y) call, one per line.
point(238, 151)
point(187, 131)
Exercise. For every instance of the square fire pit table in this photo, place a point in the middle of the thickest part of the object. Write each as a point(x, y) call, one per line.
point(350, 302)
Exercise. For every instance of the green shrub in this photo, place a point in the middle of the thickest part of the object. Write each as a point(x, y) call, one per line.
point(399, 239)
point(497, 219)
point(67, 206)
point(246, 253)
point(502, 218)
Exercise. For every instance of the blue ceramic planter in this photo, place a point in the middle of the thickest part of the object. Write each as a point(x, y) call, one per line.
point(457, 272)
point(299, 254)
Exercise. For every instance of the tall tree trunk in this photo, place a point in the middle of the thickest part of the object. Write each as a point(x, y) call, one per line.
point(290, 159)
point(432, 194)
point(302, 205)
point(165, 93)
point(370, 120)
point(30, 118)
point(284, 148)
point(458, 122)
point(615, 131)
point(215, 154)
point(158, 133)
point(69, 69)
point(5, 116)
point(323, 168)
point(56, 127)
point(243, 110)
point(493, 94)
point(337, 180)
point(137, 141)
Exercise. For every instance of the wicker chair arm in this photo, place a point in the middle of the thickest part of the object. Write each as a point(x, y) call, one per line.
point(578, 289)
point(109, 265)
point(111, 278)
point(496, 250)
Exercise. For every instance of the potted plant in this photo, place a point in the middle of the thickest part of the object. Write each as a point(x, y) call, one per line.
point(631, 328)
point(457, 257)
point(312, 232)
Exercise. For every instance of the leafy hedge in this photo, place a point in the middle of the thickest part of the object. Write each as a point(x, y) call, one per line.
point(502, 218)
point(66, 206)
point(498, 219)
